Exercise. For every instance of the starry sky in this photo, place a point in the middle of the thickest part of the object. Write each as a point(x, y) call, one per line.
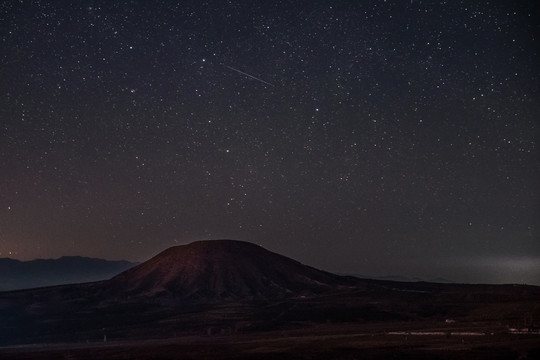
point(363, 137)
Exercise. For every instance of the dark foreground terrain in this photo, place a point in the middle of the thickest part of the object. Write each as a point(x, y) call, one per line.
point(383, 320)
point(317, 342)
point(233, 300)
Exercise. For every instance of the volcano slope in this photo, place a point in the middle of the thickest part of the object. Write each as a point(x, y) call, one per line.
point(238, 290)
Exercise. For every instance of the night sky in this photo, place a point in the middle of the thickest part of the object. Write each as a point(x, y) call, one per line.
point(366, 137)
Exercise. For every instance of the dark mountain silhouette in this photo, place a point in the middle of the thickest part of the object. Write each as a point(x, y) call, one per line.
point(15, 274)
point(225, 269)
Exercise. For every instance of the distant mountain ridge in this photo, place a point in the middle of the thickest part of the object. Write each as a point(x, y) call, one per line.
point(401, 278)
point(17, 275)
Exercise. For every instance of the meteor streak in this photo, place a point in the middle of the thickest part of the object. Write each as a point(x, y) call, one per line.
point(248, 75)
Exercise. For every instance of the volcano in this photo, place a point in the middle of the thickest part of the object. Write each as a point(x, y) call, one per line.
point(225, 269)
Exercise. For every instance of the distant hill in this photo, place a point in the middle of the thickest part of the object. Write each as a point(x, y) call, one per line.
point(400, 278)
point(225, 269)
point(15, 274)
